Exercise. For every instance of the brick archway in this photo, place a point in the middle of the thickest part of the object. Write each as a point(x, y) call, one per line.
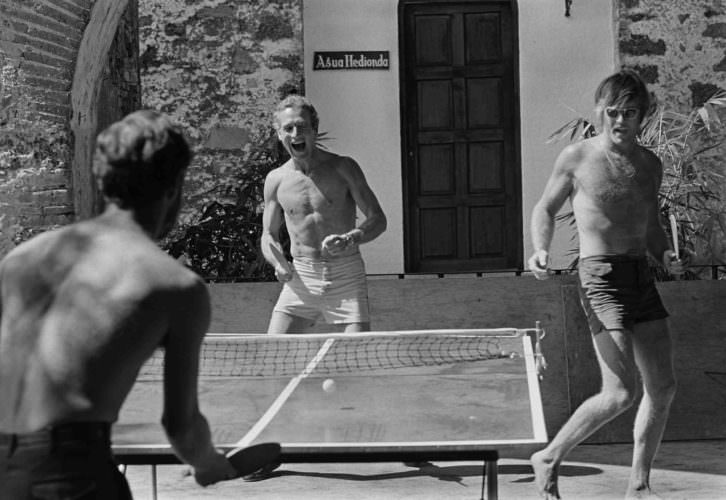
point(68, 68)
point(86, 96)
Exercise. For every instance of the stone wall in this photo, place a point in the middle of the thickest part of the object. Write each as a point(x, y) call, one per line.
point(680, 49)
point(218, 68)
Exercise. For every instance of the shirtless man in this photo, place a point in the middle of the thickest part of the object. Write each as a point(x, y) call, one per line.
point(612, 183)
point(82, 308)
point(319, 193)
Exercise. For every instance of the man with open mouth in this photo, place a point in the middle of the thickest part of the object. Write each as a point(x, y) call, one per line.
point(317, 194)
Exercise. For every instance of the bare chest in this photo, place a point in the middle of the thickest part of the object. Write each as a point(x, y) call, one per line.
point(622, 187)
point(302, 195)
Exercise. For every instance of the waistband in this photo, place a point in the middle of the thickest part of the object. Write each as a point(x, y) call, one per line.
point(355, 257)
point(71, 431)
point(627, 257)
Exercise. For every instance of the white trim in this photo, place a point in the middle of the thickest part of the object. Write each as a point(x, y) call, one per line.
point(265, 419)
point(535, 398)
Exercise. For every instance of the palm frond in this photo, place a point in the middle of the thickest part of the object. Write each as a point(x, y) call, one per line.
point(688, 147)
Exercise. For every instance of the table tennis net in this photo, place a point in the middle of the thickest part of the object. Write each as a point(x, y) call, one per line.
point(291, 355)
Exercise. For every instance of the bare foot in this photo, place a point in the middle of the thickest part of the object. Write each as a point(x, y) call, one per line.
point(640, 492)
point(545, 476)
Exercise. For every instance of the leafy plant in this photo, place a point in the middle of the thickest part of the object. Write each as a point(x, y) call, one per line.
point(224, 245)
point(690, 147)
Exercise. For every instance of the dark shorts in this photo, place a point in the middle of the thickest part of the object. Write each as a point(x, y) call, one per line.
point(618, 291)
point(66, 461)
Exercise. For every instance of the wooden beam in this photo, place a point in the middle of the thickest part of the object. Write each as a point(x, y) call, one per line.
point(90, 63)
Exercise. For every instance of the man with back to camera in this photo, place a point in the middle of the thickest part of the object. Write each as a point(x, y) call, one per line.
point(82, 308)
point(612, 183)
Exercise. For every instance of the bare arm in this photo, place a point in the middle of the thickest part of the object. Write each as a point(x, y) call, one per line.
point(657, 241)
point(375, 222)
point(272, 218)
point(542, 224)
point(187, 429)
point(1, 295)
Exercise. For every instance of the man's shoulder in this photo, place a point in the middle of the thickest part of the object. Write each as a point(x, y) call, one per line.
point(332, 159)
point(581, 148)
point(649, 156)
point(28, 252)
point(573, 156)
point(278, 172)
point(346, 166)
point(126, 252)
point(151, 263)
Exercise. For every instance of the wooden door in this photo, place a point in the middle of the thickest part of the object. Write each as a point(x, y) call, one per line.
point(460, 135)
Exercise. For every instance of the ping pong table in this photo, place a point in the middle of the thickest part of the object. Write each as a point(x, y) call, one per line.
point(404, 396)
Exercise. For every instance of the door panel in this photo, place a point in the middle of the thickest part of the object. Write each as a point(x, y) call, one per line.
point(437, 174)
point(462, 176)
point(438, 226)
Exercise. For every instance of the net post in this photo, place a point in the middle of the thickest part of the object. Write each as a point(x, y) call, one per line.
point(536, 336)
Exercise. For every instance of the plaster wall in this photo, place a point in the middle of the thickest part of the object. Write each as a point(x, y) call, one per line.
point(360, 109)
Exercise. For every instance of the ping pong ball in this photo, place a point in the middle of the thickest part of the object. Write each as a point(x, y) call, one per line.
point(329, 385)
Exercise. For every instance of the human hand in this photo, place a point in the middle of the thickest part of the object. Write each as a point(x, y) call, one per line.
point(283, 268)
point(336, 244)
point(283, 272)
point(676, 264)
point(538, 263)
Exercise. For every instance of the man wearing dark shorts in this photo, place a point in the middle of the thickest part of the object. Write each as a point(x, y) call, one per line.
point(612, 183)
point(82, 308)
point(618, 291)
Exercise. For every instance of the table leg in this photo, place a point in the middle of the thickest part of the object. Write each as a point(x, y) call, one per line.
point(153, 482)
point(489, 481)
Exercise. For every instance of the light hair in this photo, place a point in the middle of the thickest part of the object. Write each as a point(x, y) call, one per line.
point(621, 87)
point(297, 101)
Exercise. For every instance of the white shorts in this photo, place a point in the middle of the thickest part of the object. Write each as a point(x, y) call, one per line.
point(336, 289)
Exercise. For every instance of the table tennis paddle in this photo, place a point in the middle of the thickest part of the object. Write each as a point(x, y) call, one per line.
point(280, 257)
point(252, 458)
point(674, 234)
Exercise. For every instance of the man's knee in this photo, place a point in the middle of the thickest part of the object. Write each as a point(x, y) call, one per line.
point(619, 399)
point(664, 391)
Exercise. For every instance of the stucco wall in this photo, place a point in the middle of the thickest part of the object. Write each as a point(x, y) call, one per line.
point(361, 109)
point(561, 61)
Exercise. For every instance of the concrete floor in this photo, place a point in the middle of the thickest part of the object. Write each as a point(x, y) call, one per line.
point(683, 470)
